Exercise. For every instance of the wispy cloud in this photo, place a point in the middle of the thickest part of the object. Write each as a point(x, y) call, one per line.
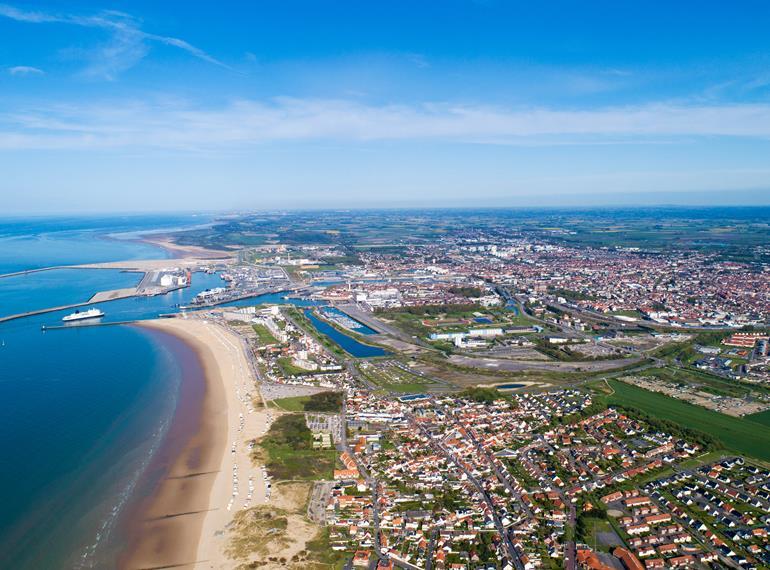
point(25, 70)
point(174, 124)
point(128, 43)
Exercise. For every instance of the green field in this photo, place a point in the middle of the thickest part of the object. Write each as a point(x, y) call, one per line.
point(451, 318)
point(293, 404)
point(263, 335)
point(739, 435)
point(597, 531)
point(706, 382)
point(288, 368)
point(626, 313)
point(330, 402)
point(389, 232)
point(760, 418)
point(408, 388)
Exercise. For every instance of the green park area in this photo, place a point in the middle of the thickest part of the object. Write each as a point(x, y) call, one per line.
point(290, 454)
point(263, 335)
point(289, 369)
point(330, 402)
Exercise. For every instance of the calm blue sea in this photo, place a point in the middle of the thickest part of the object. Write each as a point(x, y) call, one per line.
point(30, 243)
point(81, 410)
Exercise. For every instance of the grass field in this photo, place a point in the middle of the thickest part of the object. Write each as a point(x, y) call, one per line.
point(293, 404)
point(288, 368)
point(408, 388)
point(263, 335)
point(600, 533)
point(330, 402)
point(739, 435)
point(626, 313)
point(760, 418)
point(453, 321)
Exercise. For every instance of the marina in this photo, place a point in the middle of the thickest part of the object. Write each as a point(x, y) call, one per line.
point(347, 343)
point(345, 321)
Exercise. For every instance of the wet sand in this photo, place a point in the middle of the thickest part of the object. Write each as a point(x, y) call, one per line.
point(182, 524)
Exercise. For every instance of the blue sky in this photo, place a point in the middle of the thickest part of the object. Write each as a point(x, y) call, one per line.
point(137, 106)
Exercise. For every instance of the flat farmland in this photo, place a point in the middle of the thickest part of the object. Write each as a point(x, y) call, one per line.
point(740, 435)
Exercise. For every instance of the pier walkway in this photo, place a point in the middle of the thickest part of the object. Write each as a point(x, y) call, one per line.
point(42, 311)
point(28, 271)
point(100, 297)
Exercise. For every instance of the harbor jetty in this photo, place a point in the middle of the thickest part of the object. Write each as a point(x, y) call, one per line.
point(84, 325)
point(30, 271)
point(100, 297)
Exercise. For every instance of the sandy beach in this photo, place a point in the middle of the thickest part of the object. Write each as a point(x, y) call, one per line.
point(185, 251)
point(183, 524)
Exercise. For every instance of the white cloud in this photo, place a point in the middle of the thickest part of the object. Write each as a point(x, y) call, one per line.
point(128, 43)
point(175, 124)
point(25, 70)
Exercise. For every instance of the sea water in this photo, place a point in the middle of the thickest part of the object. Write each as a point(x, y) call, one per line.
point(31, 243)
point(81, 410)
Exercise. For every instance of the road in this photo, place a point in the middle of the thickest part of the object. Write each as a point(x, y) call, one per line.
point(439, 447)
point(500, 476)
point(356, 374)
point(570, 548)
point(431, 547)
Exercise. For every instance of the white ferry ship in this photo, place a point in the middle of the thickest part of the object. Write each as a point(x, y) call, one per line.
point(78, 316)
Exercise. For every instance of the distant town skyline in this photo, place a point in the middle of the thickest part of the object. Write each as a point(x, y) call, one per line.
point(134, 106)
